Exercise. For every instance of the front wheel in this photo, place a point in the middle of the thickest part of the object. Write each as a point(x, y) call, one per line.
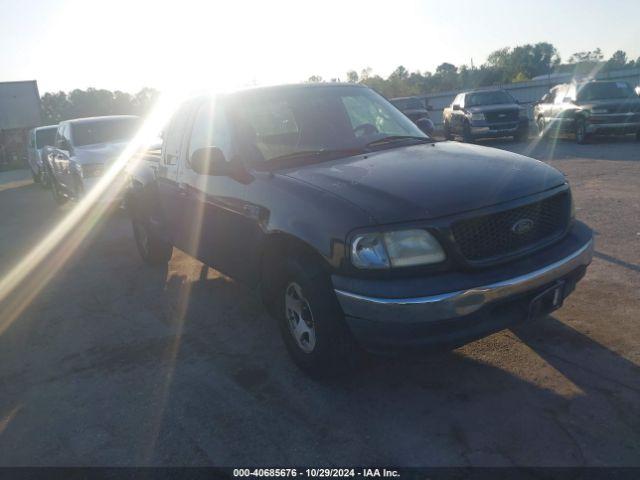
point(152, 249)
point(466, 133)
point(311, 321)
point(44, 178)
point(542, 127)
point(582, 136)
point(447, 131)
point(56, 191)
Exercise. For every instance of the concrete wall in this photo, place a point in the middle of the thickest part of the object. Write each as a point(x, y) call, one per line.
point(529, 92)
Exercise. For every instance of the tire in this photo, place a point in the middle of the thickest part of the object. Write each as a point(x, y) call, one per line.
point(542, 127)
point(45, 178)
point(466, 133)
point(582, 136)
point(311, 321)
point(153, 250)
point(56, 191)
point(34, 176)
point(447, 131)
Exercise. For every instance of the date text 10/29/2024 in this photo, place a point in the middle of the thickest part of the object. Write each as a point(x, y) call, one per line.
point(316, 472)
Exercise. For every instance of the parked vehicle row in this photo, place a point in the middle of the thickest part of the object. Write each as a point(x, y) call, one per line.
point(582, 109)
point(585, 109)
point(75, 153)
point(355, 226)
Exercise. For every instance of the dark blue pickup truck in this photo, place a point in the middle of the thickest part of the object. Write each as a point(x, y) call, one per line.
point(355, 226)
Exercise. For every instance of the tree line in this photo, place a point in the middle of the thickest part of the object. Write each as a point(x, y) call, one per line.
point(58, 106)
point(506, 65)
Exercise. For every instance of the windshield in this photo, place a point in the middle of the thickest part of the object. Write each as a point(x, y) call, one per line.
point(488, 98)
point(45, 137)
point(104, 131)
point(604, 91)
point(285, 121)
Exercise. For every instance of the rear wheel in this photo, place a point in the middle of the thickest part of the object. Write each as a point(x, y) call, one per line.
point(152, 249)
point(582, 136)
point(311, 321)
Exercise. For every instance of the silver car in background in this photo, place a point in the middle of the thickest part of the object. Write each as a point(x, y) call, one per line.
point(84, 148)
point(40, 140)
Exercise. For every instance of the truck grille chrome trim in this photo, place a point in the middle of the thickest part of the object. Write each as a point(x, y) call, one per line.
point(455, 304)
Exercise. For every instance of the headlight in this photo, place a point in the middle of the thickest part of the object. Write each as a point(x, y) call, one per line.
point(403, 248)
point(477, 117)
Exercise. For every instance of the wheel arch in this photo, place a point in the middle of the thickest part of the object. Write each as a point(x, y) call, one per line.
point(281, 247)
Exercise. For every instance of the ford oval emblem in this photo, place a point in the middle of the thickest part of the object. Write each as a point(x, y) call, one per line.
point(522, 226)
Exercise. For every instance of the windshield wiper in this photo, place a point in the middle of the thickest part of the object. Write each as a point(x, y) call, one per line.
point(398, 138)
point(316, 153)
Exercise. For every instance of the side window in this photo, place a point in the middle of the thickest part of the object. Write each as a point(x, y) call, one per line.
point(210, 129)
point(559, 95)
point(457, 100)
point(173, 136)
point(60, 137)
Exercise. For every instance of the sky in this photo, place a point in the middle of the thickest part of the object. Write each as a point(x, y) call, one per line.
point(127, 45)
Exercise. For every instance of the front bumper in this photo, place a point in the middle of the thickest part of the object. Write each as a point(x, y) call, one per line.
point(612, 127)
point(486, 301)
point(494, 130)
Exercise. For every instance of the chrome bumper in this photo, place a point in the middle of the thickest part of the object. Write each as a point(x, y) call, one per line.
point(628, 126)
point(456, 304)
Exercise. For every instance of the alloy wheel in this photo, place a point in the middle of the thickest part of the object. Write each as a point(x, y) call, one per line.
point(300, 318)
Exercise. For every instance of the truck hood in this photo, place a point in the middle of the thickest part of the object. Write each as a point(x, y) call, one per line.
point(99, 153)
point(429, 180)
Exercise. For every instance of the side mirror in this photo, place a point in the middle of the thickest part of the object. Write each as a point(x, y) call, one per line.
point(210, 161)
point(426, 125)
point(456, 108)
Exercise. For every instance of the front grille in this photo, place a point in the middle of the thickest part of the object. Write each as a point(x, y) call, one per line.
point(496, 235)
point(614, 118)
point(501, 116)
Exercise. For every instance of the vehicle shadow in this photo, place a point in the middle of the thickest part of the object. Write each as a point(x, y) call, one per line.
point(182, 366)
point(544, 394)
